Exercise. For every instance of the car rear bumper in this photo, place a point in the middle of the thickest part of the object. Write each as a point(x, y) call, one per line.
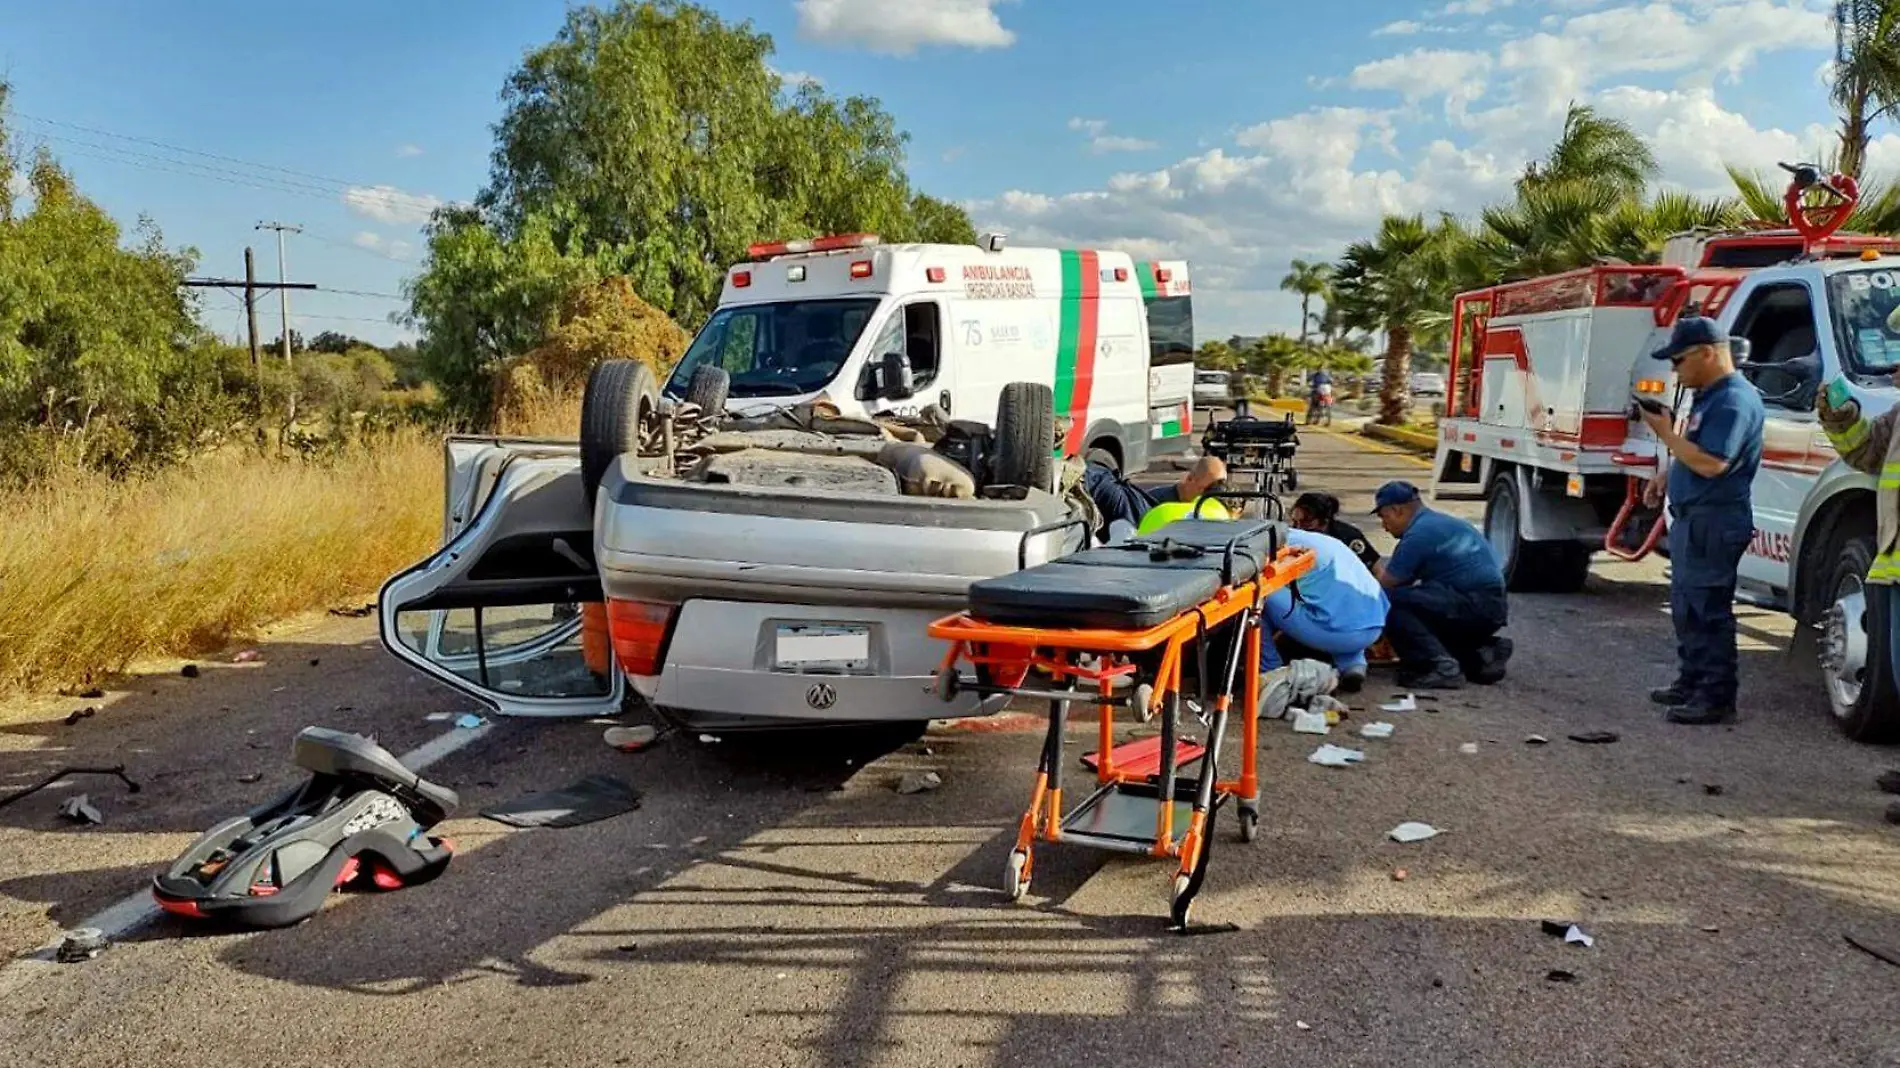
point(720, 670)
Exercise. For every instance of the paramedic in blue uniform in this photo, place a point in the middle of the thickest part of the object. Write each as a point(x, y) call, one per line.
point(1447, 594)
point(1712, 464)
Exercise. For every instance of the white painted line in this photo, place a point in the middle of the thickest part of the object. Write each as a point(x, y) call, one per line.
point(126, 916)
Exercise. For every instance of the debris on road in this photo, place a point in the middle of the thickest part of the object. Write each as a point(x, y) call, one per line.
point(1332, 707)
point(918, 782)
point(1399, 875)
point(248, 656)
point(78, 714)
point(250, 777)
point(1558, 975)
point(190, 671)
point(1303, 1025)
point(1335, 756)
point(1890, 956)
point(1537, 739)
point(596, 797)
point(1376, 730)
point(92, 694)
point(356, 612)
point(1408, 703)
point(117, 769)
point(468, 721)
point(80, 809)
point(1713, 789)
point(1569, 932)
point(1596, 737)
point(439, 717)
point(1711, 929)
point(1307, 722)
point(1469, 749)
point(81, 944)
point(1413, 831)
point(630, 739)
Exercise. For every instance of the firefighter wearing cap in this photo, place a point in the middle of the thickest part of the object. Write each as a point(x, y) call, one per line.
point(1447, 594)
point(1712, 463)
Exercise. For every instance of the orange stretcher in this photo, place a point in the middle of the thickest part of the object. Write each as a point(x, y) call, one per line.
point(1115, 627)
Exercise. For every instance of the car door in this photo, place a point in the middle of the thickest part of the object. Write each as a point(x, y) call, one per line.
point(1778, 321)
point(509, 610)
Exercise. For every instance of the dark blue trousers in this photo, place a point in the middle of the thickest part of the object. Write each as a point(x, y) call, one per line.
point(1432, 625)
point(1705, 549)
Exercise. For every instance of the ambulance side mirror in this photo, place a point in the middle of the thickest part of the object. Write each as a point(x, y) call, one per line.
point(892, 378)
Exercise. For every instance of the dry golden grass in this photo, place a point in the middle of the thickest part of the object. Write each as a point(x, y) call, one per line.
point(542, 413)
point(97, 574)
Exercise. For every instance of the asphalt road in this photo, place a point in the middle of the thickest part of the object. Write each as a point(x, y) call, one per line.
point(779, 904)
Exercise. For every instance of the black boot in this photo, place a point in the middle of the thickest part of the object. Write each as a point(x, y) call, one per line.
point(1673, 695)
point(1441, 675)
point(1484, 665)
point(1700, 714)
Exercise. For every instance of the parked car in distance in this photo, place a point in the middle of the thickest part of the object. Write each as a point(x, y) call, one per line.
point(1428, 384)
point(1210, 388)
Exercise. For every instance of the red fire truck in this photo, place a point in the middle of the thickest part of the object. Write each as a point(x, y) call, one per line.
point(1540, 422)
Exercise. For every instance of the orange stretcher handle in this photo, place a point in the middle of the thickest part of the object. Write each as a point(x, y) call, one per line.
point(1632, 496)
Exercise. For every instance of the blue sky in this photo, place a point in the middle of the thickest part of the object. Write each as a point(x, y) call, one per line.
point(1234, 133)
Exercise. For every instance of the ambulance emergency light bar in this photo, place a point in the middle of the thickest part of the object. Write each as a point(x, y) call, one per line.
point(832, 243)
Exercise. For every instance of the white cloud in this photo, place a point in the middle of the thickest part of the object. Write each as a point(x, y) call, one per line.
point(382, 246)
point(1100, 140)
point(900, 27)
point(795, 79)
point(387, 204)
point(408, 151)
point(1401, 28)
point(1306, 183)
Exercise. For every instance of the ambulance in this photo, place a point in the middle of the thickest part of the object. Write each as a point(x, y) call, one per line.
point(1541, 424)
point(827, 316)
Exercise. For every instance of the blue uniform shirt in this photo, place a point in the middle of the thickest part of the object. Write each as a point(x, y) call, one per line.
point(1340, 592)
point(1725, 421)
point(1450, 552)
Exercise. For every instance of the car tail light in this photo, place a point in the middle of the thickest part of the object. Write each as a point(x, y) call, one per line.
point(934, 274)
point(1163, 275)
point(860, 268)
point(639, 630)
point(741, 279)
point(1121, 274)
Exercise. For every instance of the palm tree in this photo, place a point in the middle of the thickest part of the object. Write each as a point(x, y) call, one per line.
point(1602, 152)
point(1273, 356)
point(1397, 283)
point(1309, 280)
point(1866, 73)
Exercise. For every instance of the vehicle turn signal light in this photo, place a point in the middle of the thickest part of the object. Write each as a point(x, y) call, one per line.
point(860, 268)
point(1651, 385)
point(639, 631)
point(741, 279)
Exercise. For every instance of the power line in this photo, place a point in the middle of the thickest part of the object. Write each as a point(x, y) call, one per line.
point(180, 148)
point(361, 293)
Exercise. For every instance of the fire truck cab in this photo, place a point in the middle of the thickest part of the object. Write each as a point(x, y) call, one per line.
point(1542, 426)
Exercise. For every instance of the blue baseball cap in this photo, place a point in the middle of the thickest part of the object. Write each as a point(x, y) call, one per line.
point(1393, 493)
point(1690, 331)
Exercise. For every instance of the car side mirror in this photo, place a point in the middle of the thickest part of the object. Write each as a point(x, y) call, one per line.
point(892, 378)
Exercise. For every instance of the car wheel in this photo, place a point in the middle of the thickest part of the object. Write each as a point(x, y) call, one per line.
point(1857, 644)
point(708, 388)
point(620, 396)
point(1025, 436)
point(1504, 526)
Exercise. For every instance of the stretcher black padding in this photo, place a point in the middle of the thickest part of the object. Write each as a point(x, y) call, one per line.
point(1136, 596)
point(1195, 544)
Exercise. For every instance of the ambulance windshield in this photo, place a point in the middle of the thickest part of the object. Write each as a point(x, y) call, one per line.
point(1866, 306)
point(782, 349)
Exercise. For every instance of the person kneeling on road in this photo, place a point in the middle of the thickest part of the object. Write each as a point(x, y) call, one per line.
point(1319, 513)
point(1447, 593)
point(1339, 611)
point(1123, 505)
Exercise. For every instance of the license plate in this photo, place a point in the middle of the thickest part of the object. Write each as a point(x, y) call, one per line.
point(822, 647)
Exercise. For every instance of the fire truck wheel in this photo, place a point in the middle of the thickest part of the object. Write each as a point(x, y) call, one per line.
point(620, 395)
point(1530, 566)
point(1857, 644)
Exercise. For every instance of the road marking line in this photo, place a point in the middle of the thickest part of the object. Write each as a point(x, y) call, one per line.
point(1373, 446)
point(132, 913)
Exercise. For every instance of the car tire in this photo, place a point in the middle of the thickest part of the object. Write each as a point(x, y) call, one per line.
point(708, 388)
point(1556, 566)
point(620, 396)
point(1025, 436)
point(1529, 566)
point(1866, 708)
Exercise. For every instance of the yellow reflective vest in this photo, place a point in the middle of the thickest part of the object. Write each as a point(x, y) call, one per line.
point(1869, 446)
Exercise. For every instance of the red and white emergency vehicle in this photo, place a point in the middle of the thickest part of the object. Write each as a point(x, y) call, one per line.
point(1541, 422)
point(1168, 293)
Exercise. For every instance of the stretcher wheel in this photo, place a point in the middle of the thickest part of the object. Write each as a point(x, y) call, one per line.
point(948, 683)
point(1016, 875)
point(1181, 901)
point(1249, 824)
point(1145, 702)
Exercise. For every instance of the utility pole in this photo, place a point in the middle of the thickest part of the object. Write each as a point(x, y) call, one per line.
point(283, 296)
point(250, 286)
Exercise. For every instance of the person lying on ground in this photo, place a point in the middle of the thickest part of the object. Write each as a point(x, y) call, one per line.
point(1319, 512)
point(1447, 594)
point(1338, 613)
point(1123, 505)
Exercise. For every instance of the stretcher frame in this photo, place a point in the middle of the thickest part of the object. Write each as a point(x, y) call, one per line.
point(1002, 656)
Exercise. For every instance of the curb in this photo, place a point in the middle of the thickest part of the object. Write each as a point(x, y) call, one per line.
point(1410, 439)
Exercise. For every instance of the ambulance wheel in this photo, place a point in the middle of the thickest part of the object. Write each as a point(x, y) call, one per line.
point(621, 395)
point(1026, 436)
point(708, 388)
point(1016, 875)
point(1857, 643)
